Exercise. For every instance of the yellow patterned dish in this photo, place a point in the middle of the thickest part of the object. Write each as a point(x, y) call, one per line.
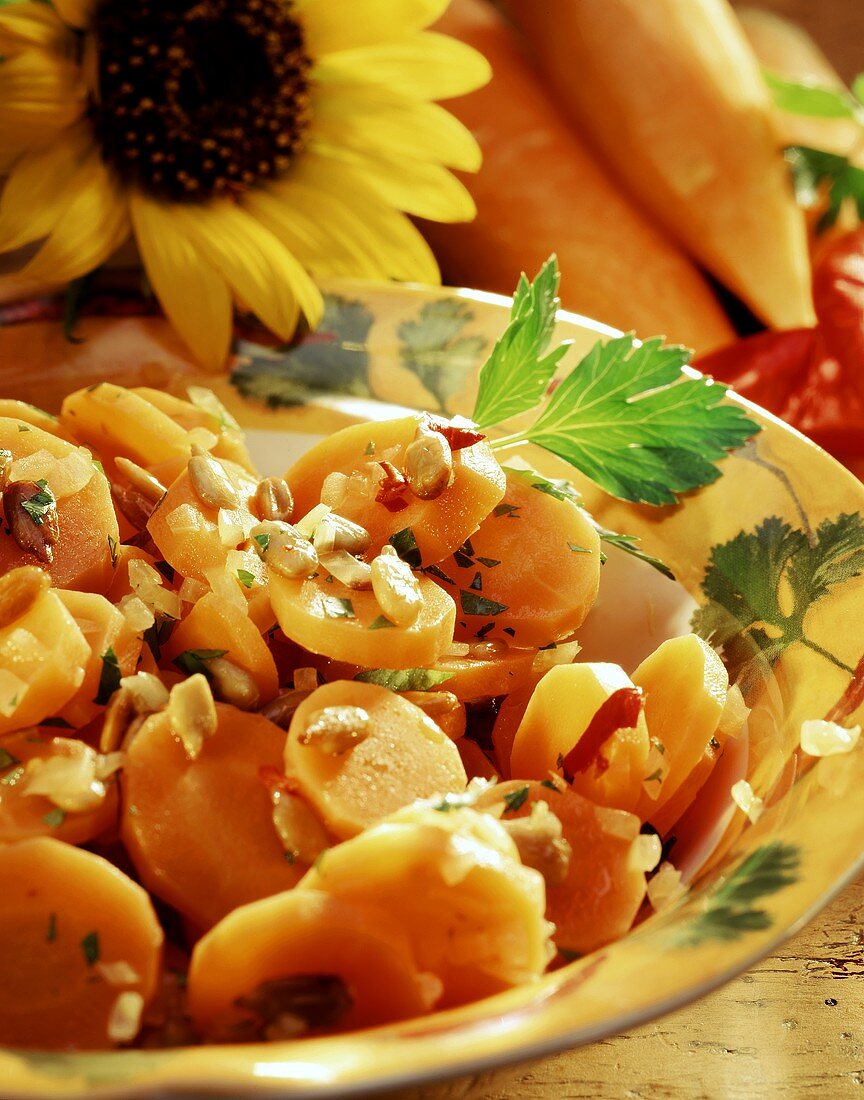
point(771, 553)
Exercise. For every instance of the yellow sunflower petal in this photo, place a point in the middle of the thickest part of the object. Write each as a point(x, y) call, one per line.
point(327, 27)
point(259, 269)
point(39, 96)
point(41, 186)
point(320, 230)
point(194, 296)
point(92, 228)
point(31, 23)
point(77, 13)
point(424, 66)
point(398, 244)
point(380, 120)
point(424, 190)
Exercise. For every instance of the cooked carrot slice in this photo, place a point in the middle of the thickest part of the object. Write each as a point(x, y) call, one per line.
point(80, 948)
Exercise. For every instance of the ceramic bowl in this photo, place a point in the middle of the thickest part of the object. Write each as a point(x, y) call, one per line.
point(772, 551)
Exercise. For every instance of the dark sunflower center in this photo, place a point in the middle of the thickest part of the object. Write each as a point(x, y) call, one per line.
point(202, 98)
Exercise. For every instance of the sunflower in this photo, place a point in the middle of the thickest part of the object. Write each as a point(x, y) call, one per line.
point(248, 147)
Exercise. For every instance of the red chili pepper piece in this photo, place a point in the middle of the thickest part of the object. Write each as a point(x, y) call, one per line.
point(392, 487)
point(838, 296)
point(767, 368)
point(619, 712)
point(457, 436)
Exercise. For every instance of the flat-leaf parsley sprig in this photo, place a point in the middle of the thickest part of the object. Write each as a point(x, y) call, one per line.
point(629, 416)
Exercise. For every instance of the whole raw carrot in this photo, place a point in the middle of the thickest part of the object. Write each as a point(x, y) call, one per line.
point(540, 190)
point(672, 96)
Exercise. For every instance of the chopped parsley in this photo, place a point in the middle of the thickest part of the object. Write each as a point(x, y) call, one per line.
point(578, 549)
point(509, 510)
point(405, 545)
point(337, 607)
point(515, 800)
point(112, 550)
point(109, 677)
point(40, 504)
point(472, 604)
point(23, 428)
point(54, 818)
point(381, 623)
point(403, 679)
point(476, 583)
point(490, 563)
point(91, 949)
point(192, 661)
point(246, 578)
point(51, 934)
point(370, 448)
point(7, 759)
point(263, 541)
point(439, 573)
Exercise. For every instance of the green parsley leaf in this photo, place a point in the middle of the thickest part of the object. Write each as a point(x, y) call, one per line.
point(477, 582)
point(23, 427)
point(760, 585)
point(436, 571)
point(630, 545)
point(246, 578)
point(54, 818)
point(813, 100)
point(51, 934)
point(515, 800)
point(381, 623)
point(39, 504)
point(112, 549)
point(337, 607)
point(629, 419)
point(263, 541)
point(490, 563)
point(91, 949)
point(819, 176)
point(370, 448)
point(576, 549)
point(403, 679)
point(109, 677)
point(192, 661)
point(516, 375)
point(508, 510)
point(7, 760)
point(472, 604)
point(405, 545)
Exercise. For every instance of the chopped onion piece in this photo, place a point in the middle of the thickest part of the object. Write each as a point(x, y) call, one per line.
point(124, 1020)
point(305, 679)
point(230, 529)
point(192, 590)
point(148, 584)
point(203, 438)
point(617, 823)
point(184, 519)
point(735, 713)
point(564, 653)
point(306, 526)
point(656, 769)
point(148, 692)
point(22, 649)
point(226, 586)
point(109, 764)
point(645, 852)
point(136, 613)
point(665, 887)
point(118, 973)
point(746, 801)
point(34, 467)
point(334, 489)
point(248, 561)
point(347, 569)
point(12, 691)
point(822, 738)
point(69, 782)
point(208, 402)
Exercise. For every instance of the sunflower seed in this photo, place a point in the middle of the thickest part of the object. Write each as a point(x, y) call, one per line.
point(274, 499)
point(37, 529)
point(19, 590)
point(283, 549)
point(147, 692)
point(336, 730)
point(302, 834)
point(428, 464)
point(134, 506)
point(335, 532)
point(281, 710)
point(192, 713)
point(233, 684)
point(396, 588)
point(210, 482)
point(141, 480)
